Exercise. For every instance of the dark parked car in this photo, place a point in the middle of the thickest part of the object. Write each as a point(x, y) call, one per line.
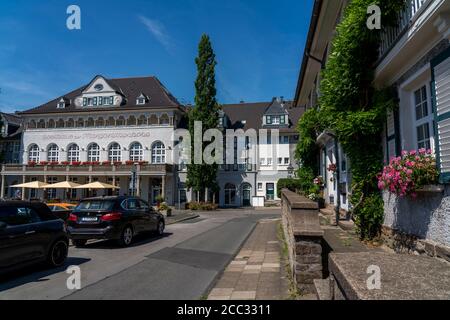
point(30, 233)
point(117, 218)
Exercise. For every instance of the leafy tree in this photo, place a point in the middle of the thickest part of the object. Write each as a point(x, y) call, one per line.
point(206, 110)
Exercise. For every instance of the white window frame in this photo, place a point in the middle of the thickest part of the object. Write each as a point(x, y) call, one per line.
point(34, 153)
point(158, 152)
point(53, 153)
point(73, 153)
point(136, 152)
point(429, 119)
point(115, 152)
point(93, 154)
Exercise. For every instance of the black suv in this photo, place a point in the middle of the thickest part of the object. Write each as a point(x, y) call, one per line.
point(30, 233)
point(117, 218)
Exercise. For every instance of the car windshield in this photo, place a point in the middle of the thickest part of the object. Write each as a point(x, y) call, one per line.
point(95, 205)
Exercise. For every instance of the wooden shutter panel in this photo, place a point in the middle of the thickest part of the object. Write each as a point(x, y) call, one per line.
point(441, 101)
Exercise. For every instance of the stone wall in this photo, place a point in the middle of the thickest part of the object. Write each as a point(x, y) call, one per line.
point(304, 237)
point(425, 218)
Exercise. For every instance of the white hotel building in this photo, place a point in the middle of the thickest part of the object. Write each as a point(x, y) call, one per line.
point(109, 129)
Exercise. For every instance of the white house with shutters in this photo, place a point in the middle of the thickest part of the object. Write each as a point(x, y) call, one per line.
point(414, 58)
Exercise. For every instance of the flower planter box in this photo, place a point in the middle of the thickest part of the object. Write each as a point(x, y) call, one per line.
point(431, 189)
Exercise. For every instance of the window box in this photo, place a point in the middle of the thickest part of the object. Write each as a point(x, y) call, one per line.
point(65, 163)
point(95, 163)
point(432, 188)
point(143, 162)
point(130, 163)
point(117, 163)
point(107, 163)
point(43, 163)
point(53, 163)
point(76, 163)
point(31, 163)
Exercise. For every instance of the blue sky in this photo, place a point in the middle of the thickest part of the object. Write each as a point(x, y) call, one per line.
point(258, 46)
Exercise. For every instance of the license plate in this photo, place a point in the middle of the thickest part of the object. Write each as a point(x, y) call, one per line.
point(89, 219)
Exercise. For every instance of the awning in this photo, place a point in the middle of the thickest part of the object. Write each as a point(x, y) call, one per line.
point(97, 185)
point(31, 185)
point(63, 185)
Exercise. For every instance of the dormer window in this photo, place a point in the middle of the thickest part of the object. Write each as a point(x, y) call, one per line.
point(61, 104)
point(141, 100)
point(275, 120)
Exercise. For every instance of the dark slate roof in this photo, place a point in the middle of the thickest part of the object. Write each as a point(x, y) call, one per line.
point(253, 113)
point(276, 107)
point(11, 118)
point(130, 88)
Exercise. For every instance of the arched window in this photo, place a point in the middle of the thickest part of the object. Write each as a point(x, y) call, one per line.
point(70, 123)
point(53, 153)
point(73, 153)
point(136, 152)
point(100, 122)
point(230, 194)
point(51, 124)
point(80, 123)
point(90, 123)
point(93, 154)
point(158, 152)
point(41, 124)
point(164, 120)
point(111, 122)
point(142, 120)
point(153, 119)
point(33, 153)
point(115, 153)
point(131, 121)
point(120, 121)
point(60, 123)
point(32, 124)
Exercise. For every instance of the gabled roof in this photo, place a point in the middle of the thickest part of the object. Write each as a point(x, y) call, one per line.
point(276, 107)
point(250, 115)
point(130, 88)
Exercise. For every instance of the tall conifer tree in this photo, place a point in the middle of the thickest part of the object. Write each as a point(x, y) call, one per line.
point(202, 177)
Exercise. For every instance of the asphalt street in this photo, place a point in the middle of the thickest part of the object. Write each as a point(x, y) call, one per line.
point(183, 264)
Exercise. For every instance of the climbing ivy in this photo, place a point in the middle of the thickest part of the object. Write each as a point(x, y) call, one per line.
point(353, 109)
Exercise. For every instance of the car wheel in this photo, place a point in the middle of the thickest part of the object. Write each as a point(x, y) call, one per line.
point(58, 253)
point(161, 227)
point(126, 236)
point(79, 243)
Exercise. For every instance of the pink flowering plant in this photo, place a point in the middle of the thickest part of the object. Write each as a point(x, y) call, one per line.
point(406, 174)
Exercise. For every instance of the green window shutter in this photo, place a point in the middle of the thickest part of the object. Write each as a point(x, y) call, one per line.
point(440, 68)
point(269, 120)
point(282, 120)
point(100, 101)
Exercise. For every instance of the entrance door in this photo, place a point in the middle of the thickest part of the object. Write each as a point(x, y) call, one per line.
point(246, 195)
point(270, 191)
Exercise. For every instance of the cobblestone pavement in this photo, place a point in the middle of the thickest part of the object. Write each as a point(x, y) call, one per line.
point(258, 272)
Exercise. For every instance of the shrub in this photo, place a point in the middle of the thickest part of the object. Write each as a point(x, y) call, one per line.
point(202, 206)
point(293, 185)
point(406, 174)
point(369, 216)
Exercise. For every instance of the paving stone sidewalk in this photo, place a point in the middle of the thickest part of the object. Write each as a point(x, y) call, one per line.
point(258, 272)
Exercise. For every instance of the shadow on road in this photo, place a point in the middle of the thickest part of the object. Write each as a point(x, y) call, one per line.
point(139, 240)
point(35, 273)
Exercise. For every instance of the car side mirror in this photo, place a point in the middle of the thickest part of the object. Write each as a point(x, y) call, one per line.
point(3, 225)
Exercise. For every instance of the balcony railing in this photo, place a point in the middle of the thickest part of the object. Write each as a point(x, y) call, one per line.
point(391, 35)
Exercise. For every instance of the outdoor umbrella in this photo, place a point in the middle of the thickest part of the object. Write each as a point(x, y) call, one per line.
point(63, 185)
point(97, 185)
point(31, 185)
